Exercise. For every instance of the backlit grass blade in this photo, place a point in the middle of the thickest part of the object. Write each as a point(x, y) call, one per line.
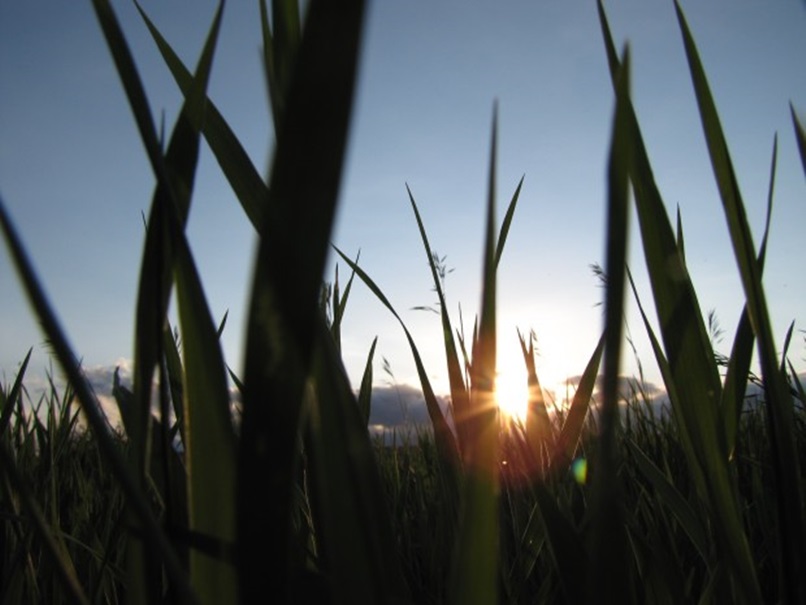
point(539, 430)
point(445, 440)
point(474, 573)
point(690, 355)
point(210, 445)
point(777, 401)
point(356, 537)
point(608, 579)
point(460, 398)
point(575, 419)
point(365, 392)
point(8, 401)
point(741, 355)
point(297, 223)
point(152, 532)
point(800, 136)
point(244, 179)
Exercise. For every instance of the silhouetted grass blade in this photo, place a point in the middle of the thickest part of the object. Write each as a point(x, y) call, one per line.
point(800, 136)
point(297, 223)
point(777, 399)
point(241, 174)
point(460, 398)
point(608, 579)
point(474, 573)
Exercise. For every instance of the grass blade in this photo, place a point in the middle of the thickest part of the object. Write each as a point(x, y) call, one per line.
point(608, 579)
point(210, 445)
point(445, 441)
point(244, 179)
point(460, 398)
point(297, 224)
point(8, 402)
point(741, 355)
point(475, 562)
point(777, 400)
point(365, 392)
point(800, 136)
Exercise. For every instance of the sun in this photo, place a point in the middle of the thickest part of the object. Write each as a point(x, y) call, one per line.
point(512, 391)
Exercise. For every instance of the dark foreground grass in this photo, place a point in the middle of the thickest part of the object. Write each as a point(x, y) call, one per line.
point(63, 470)
point(293, 502)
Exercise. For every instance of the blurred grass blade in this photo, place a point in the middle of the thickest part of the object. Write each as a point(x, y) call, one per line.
point(356, 536)
point(800, 136)
point(280, 49)
point(777, 400)
point(63, 352)
point(241, 174)
point(608, 580)
point(474, 573)
point(297, 224)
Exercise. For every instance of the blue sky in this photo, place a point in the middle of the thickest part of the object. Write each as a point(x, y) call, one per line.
point(75, 179)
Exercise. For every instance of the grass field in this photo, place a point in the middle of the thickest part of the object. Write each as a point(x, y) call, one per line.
point(289, 498)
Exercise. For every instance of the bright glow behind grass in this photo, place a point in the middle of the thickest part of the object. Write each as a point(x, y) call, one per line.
point(511, 386)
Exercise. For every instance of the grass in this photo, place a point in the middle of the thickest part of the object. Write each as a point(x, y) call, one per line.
point(292, 500)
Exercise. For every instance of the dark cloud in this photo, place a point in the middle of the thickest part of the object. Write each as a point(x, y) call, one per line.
point(400, 406)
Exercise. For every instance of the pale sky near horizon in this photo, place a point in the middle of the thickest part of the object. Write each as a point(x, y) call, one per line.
point(75, 178)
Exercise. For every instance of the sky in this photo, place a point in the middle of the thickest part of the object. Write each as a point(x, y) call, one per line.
point(75, 178)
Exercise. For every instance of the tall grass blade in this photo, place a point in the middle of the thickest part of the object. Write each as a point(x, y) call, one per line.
point(236, 165)
point(280, 48)
point(688, 349)
point(283, 312)
point(741, 355)
point(474, 573)
point(777, 399)
point(460, 397)
point(608, 579)
point(210, 445)
point(444, 438)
